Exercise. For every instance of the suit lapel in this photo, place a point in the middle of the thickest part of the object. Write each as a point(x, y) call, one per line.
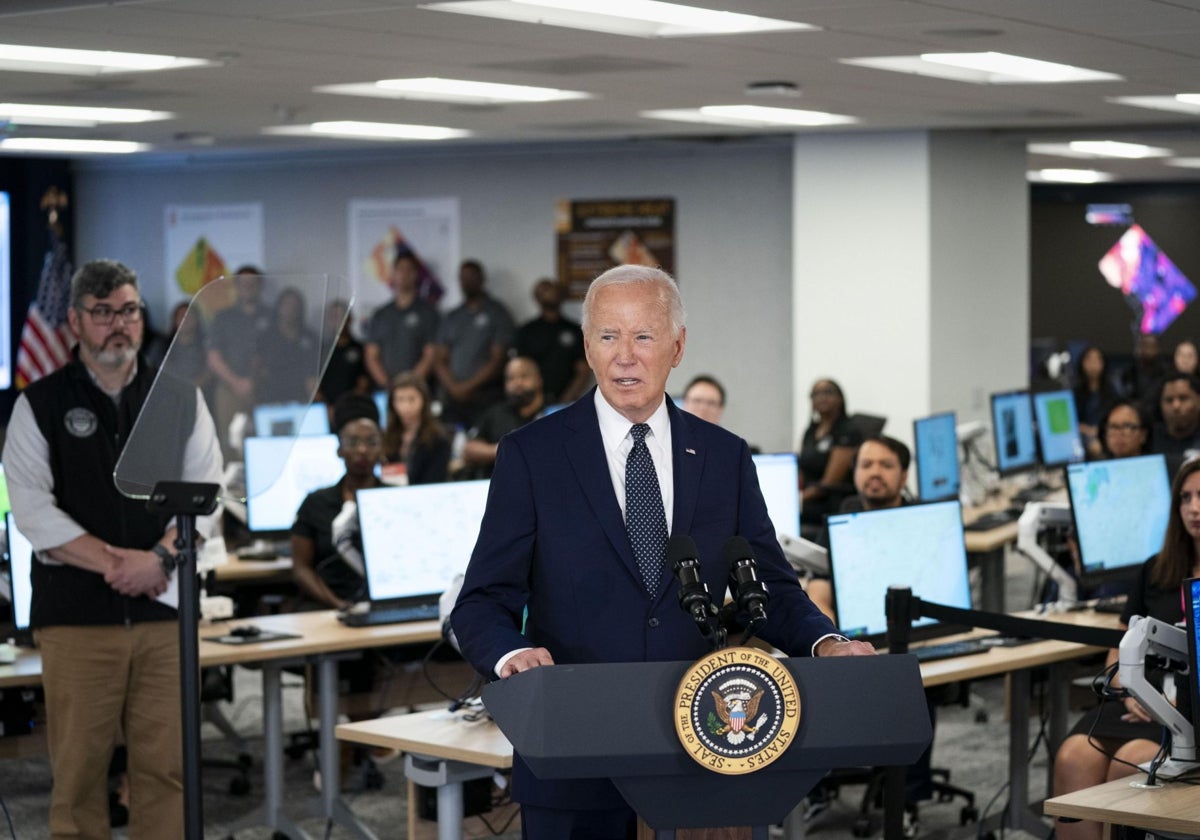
point(585, 451)
point(687, 466)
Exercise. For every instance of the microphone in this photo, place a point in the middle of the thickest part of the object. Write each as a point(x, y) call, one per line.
point(747, 590)
point(694, 597)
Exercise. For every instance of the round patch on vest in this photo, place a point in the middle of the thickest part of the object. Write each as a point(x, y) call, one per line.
point(81, 422)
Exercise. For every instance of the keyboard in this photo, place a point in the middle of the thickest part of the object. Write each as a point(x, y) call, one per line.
point(948, 650)
point(1114, 604)
point(390, 615)
point(991, 520)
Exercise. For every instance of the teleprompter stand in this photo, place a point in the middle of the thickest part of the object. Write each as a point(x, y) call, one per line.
point(615, 721)
point(185, 501)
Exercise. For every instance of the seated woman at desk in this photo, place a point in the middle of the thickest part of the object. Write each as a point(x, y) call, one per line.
point(1111, 740)
point(416, 448)
point(1125, 430)
point(826, 454)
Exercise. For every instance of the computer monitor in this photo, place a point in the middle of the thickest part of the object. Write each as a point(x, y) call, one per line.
point(290, 419)
point(20, 567)
point(1012, 431)
point(1121, 508)
point(920, 546)
point(1057, 428)
point(381, 398)
point(417, 538)
point(281, 471)
point(1191, 616)
point(5, 505)
point(936, 439)
point(779, 478)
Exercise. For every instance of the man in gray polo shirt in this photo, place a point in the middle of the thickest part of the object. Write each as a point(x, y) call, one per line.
point(401, 334)
point(471, 348)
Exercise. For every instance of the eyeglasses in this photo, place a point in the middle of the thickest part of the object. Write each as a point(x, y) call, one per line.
point(355, 442)
point(1124, 427)
point(102, 314)
point(823, 392)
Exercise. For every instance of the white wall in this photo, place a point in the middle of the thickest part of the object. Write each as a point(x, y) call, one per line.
point(733, 218)
point(911, 260)
point(861, 260)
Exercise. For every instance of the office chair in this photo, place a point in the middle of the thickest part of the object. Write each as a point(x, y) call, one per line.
point(216, 685)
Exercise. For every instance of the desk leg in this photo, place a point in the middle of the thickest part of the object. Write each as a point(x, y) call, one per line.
point(448, 777)
point(1020, 817)
point(991, 579)
point(332, 806)
point(270, 813)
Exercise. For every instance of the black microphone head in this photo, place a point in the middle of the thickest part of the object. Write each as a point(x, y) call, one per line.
point(681, 547)
point(737, 548)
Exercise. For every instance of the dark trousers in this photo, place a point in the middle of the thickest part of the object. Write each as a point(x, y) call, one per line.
point(552, 824)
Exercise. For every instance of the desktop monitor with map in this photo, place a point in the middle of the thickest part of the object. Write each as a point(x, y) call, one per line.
point(291, 419)
point(920, 546)
point(936, 440)
point(1012, 431)
point(1057, 428)
point(1121, 508)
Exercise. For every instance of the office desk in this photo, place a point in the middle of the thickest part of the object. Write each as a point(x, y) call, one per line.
point(321, 639)
point(987, 547)
point(1173, 808)
point(235, 570)
point(441, 749)
point(1018, 663)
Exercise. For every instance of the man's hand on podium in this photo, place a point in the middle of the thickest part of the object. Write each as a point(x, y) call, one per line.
point(526, 659)
point(834, 647)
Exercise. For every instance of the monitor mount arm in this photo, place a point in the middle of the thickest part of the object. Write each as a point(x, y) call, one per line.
point(1151, 637)
point(1036, 517)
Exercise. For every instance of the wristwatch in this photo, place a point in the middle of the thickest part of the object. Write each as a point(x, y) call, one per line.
point(165, 559)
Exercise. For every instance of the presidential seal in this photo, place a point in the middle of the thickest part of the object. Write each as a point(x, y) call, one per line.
point(737, 710)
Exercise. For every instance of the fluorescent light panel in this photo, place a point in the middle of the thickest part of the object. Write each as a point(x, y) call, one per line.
point(55, 145)
point(751, 116)
point(24, 113)
point(453, 90)
point(1090, 149)
point(1184, 162)
point(637, 18)
point(88, 62)
point(370, 130)
point(1180, 103)
point(985, 68)
point(1069, 176)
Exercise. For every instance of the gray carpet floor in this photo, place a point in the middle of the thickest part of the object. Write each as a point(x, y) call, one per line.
point(974, 751)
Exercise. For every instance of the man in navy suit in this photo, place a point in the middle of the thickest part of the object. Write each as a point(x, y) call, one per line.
point(554, 538)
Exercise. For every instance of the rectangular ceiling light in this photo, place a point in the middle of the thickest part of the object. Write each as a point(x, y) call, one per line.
point(55, 145)
point(453, 90)
point(1099, 149)
point(21, 113)
point(751, 116)
point(88, 62)
point(1069, 176)
point(637, 18)
point(1180, 103)
point(371, 130)
point(984, 68)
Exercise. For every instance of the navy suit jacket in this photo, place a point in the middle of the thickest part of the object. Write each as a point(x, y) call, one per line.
point(553, 539)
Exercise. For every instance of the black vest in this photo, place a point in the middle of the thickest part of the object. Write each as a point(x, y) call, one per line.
point(86, 432)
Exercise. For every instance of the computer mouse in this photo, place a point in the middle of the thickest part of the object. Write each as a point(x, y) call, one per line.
point(246, 631)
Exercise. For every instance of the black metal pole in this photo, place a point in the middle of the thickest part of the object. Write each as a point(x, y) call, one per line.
point(189, 672)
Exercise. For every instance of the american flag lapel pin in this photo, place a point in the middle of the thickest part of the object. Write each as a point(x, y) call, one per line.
point(690, 451)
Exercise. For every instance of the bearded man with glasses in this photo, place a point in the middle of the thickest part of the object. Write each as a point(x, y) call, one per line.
point(109, 644)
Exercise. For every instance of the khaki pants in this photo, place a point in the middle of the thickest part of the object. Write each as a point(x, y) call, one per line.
point(98, 681)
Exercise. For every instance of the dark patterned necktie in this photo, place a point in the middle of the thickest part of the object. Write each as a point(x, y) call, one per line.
point(644, 517)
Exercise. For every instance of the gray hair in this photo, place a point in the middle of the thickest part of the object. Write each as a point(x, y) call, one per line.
point(625, 275)
point(100, 278)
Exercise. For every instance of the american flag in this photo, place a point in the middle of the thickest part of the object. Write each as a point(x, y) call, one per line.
point(46, 340)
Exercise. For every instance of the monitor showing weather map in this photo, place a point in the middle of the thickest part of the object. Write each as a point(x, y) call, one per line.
point(920, 546)
point(1121, 509)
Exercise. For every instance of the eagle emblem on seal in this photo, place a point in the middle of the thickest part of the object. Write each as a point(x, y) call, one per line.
point(737, 704)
